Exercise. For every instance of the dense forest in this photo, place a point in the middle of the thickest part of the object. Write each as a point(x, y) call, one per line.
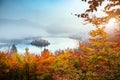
point(98, 59)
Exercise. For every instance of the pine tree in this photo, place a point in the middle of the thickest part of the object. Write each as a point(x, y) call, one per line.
point(13, 49)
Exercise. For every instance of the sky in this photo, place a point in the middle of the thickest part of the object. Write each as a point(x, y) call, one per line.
point(29, 18)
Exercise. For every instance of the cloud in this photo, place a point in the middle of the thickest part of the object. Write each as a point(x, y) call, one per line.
point(20, 28)
point(12, 29)
point(58, 29)
point(40, 18)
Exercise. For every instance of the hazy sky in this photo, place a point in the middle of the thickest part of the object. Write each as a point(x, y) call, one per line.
point(25, 18)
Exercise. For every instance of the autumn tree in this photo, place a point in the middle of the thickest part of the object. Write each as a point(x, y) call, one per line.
point(110, 9)
point(44, 69)
point(104, 53)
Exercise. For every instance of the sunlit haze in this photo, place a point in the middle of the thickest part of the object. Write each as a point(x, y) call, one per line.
point(111, 22)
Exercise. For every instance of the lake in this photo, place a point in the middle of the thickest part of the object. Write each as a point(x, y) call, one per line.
point(57, 43)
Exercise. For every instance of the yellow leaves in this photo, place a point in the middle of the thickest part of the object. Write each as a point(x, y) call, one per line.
point(100, 57)
point(85, 48)
point(93, 33)
point(98, 36)
point(98, 31)
point(18, 58)
point(96, 44)
point(63, 59)
point(93, 59)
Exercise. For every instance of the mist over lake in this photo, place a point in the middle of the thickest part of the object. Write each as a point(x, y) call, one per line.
point(56, 43)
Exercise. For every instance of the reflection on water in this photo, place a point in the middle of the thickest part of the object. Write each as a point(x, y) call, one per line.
point(55, 44)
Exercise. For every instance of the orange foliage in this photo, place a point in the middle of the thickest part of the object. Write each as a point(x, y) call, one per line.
point(98, 60)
